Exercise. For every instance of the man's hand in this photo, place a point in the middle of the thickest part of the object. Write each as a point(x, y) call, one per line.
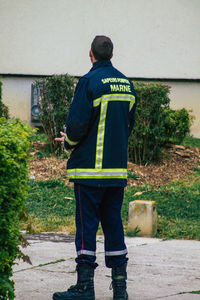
point(61, 139)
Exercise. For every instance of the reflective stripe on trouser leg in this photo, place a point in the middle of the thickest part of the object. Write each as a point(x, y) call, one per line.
point(116, 253)
point(115, 248)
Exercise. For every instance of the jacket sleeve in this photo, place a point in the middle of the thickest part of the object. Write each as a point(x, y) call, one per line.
point(79, 115)
point(132, 115)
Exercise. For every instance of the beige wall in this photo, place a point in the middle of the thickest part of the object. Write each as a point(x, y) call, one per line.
point(152, 38)
point(187, 95)
point(17, 95)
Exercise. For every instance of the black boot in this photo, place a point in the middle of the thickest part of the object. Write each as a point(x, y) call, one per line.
point(84, 289)
point(119, 277)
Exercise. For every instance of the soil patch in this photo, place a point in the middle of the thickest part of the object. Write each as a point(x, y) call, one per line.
point(177, 163)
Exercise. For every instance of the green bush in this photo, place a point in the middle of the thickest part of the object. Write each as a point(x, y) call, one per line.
point(14, 145)
point(156, 124)
point(177, 125)
point(56, 94)
point(3, 107)
point(149, 131)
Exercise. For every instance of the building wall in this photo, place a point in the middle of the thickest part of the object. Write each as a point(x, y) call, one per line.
point(152, 38)
point(17, 95)
point(187, 95)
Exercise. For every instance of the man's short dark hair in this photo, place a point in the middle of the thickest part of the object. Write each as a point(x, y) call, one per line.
point(102, 47)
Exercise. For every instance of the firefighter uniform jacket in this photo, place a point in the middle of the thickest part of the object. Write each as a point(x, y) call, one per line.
point(98, 125)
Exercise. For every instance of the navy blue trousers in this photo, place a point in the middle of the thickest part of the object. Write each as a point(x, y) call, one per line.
point(94, 205)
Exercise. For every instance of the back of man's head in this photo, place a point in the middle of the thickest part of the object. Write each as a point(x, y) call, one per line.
point(102, 47)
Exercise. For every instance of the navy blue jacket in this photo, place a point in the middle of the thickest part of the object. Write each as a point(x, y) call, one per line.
point(98, 125)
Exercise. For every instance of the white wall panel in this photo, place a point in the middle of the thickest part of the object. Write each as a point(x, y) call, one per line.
point(152, 38)
point(16, 94)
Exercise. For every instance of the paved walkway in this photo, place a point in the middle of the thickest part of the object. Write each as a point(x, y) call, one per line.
point(157, 269)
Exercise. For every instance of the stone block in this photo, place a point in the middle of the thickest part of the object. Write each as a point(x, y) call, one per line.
point(143, 215)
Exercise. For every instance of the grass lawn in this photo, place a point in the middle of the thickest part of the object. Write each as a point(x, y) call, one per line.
point(191, 142)
point(51, 206)
point(178, 207)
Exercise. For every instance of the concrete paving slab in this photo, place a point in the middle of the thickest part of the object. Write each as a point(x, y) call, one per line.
point(163, 269)
point(45, 252)
point(156, 270)
point(183, 297)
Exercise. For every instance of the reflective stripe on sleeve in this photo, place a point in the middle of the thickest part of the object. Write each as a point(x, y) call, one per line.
point(96, 102)
point(97, 173)
point(131, 105)
point(71, 143)
point(115, 253)
point(86, 252)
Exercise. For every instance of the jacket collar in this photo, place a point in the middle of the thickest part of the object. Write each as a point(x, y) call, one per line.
point(100, 64)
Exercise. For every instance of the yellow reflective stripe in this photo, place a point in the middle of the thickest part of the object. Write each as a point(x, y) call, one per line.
point(131, 105)
point(103, 101)
point(71, 143)
point(115, 97)
point(92, 170)
point(100, 136)
point(97, 176)
point(96, 102)
point(97, 173)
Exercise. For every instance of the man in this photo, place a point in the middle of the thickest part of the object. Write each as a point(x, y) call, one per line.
point(100, 120)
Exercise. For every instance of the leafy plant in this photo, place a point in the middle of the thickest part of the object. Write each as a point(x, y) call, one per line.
point(56, 94)
point(149, 131)
point(156, 124)
point(132, 175)
point(133, 233)
point(14, 148)
point(177, 125)
point(39, 137)
point(42, 154)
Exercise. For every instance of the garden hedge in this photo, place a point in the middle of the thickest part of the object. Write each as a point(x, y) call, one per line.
point(156, 124)
point(14, 146)
point(56, 93)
